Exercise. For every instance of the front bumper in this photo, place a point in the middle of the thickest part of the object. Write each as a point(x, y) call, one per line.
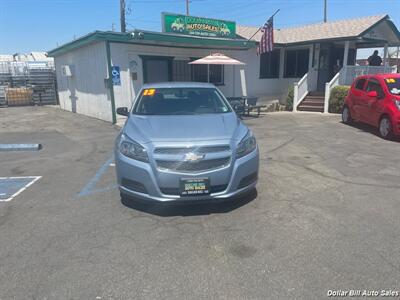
point(145, 181)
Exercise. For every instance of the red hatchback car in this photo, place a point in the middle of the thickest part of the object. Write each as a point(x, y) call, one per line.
point(375, 100)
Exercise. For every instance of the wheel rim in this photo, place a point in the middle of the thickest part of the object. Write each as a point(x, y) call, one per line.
point(345, 115)
point(384, 127)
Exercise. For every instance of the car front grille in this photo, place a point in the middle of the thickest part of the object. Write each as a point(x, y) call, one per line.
point(173, 159)
point(203, 165)
point(199, 150)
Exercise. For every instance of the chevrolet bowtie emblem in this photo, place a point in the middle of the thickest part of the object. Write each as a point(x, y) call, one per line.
point(193, 157)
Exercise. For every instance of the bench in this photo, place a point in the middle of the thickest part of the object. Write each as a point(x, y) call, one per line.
point(245, 105)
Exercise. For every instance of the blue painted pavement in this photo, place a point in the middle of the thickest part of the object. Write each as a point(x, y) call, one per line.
point(90, 187)
point(9, 186)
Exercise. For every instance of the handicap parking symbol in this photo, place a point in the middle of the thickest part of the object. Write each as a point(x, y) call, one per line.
point(116, 76)
point(10, 187)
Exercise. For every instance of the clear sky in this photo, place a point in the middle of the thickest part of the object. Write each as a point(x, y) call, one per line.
point(41, 25)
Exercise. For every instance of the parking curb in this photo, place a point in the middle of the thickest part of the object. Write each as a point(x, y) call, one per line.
point(20, 147)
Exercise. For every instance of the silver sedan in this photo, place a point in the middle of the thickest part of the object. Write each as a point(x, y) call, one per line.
point(183, 141)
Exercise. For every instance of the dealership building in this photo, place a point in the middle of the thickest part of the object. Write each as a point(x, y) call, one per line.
point(102, 70)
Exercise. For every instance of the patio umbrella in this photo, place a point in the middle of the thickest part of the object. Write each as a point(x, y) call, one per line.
point(216, 59)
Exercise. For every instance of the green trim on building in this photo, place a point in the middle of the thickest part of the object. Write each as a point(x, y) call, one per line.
point(153, 38)
point(110, 83)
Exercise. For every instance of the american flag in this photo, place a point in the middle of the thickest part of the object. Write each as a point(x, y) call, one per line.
point(267, 39)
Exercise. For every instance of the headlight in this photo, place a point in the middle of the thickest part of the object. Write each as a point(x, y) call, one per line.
point(397, 103)
point(133, 150)
point(247, 145)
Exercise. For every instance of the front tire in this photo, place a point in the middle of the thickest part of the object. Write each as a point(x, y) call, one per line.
point(346, 115)
point(385, 128)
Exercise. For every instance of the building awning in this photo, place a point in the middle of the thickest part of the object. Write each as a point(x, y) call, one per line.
point(375, 29)
point(151, 38)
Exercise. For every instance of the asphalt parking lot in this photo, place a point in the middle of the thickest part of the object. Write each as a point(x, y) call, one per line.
point(326, 216)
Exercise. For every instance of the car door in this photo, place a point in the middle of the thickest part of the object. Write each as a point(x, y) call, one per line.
point(372, 105)
point(357, 95)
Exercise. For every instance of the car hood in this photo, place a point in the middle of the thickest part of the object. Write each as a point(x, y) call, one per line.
point(183, 128)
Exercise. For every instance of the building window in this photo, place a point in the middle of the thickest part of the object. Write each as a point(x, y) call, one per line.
point(296, 63)
point(269, 64)
point(199, 74)
point(217, 74)
point(181, 70)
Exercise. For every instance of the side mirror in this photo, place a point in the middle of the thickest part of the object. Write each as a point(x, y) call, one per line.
point(123, 111)
point(372, 94)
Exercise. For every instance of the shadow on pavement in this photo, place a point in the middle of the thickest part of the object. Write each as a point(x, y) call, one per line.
point(195, 208)
point(370, 129)
point(251, 117)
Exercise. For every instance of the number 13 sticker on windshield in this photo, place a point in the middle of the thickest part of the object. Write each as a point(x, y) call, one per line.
point(149, 92)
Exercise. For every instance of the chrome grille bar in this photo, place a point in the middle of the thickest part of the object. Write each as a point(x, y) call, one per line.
point(173, 158)
point(183, 166)
point(200, 150)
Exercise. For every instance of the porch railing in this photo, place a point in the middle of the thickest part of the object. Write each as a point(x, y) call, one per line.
point(300, 91)
point(346, 75)
point(350, 72)
point(329, 86)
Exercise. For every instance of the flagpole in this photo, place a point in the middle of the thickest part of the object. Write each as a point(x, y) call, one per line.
point(263, 25)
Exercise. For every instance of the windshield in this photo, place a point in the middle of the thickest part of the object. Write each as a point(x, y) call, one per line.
point(393, 85)
point(180, 101)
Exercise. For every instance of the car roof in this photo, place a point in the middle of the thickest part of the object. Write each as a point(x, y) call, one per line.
point(176, 84)
point(387, 75)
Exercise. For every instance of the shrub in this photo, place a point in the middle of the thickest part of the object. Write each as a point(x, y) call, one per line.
point(289, 99)
point(336, 99)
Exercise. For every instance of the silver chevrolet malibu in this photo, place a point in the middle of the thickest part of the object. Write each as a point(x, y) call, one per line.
point(183, 141)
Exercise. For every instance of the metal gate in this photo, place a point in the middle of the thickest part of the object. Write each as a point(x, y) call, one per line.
point(27, 83)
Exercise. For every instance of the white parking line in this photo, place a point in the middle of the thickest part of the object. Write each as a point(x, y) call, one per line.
point(112, 165)
point(34, 179)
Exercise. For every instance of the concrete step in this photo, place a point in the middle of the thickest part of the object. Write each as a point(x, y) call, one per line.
point(311, 103)
point(314, 102)
point(315, 98)
point(318, 94)
point(311, 108)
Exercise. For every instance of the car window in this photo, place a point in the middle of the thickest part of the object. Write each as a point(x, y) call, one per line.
point(360, 84)
point(393, 85)
point(374, 85)
point(180, 101)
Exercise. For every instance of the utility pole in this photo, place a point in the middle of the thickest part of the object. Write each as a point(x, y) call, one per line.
point(122, 15)
point(325, 11)
point(187, 7)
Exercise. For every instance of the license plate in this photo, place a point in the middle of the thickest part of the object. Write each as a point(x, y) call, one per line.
point(194, 186)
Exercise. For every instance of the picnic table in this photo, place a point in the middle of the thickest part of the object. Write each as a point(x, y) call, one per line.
point(244, 105)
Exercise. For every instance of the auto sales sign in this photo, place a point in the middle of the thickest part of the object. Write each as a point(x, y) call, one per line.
point(198, 26)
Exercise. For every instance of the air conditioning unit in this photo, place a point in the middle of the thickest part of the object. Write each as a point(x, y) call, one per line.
point(67, 70)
